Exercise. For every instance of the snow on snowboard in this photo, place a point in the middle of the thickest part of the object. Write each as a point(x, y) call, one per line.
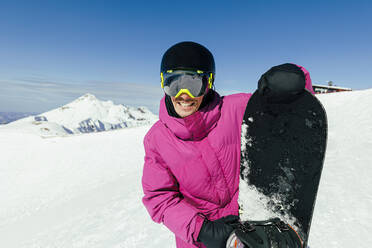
point(283, 143)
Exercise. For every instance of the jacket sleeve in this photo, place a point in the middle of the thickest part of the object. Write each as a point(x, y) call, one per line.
point(163, 200)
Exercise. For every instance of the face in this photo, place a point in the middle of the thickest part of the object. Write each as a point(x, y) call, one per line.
point(185, 105)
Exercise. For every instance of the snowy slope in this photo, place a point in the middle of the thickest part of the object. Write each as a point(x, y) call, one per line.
point(85, 190)
point(84, 115)
point(342, 214)
point(75, 191)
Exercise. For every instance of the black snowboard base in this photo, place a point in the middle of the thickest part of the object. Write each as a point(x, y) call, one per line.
point(283, 149)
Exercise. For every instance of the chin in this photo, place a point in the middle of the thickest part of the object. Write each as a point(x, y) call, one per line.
point(185, 114)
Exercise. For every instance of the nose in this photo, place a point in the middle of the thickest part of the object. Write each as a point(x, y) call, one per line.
point(184, 97)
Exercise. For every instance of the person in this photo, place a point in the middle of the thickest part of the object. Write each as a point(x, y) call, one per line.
point(192, 154)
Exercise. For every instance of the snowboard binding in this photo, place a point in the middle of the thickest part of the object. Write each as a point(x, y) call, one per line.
point(272, 233)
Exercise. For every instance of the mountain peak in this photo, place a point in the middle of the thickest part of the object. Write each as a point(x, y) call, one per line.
point(84, 98)
point(89, 114)
point(87, 96)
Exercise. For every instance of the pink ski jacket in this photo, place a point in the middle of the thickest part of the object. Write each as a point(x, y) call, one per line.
point(192, 166)
point(191, 169)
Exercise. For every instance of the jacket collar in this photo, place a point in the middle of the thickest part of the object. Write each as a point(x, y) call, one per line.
point(196, 126)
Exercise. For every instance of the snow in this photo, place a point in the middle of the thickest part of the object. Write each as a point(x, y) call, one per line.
point(76, 191)
point(84, 115)
point(6, 117)
point(255, 205)
point(85, 190)
point(342, 210)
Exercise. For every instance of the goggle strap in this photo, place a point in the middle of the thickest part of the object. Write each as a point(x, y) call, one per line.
point(162, 80)
point(210, 80)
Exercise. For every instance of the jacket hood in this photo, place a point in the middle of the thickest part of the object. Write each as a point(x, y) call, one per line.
point(196, 126)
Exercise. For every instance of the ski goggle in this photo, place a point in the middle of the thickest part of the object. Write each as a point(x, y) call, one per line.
point(193, 83)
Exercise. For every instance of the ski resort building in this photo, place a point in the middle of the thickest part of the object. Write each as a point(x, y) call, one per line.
point(330, 88)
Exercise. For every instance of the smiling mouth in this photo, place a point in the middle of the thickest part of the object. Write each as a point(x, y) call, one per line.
point(186, 104)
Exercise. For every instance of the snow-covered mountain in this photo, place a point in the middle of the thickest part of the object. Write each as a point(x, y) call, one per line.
point(85, 190)
point(7, 117)
point(84, 115)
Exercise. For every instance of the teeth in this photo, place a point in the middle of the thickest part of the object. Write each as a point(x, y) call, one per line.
point(186, 104)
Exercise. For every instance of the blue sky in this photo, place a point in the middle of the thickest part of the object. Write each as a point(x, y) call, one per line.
point(51, 52)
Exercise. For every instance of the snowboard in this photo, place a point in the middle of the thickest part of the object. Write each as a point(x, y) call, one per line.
point(282, 153)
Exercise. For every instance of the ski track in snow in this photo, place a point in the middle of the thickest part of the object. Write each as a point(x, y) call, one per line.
point(85, 190)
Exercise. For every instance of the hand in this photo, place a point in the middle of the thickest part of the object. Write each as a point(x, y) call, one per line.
point(214, 234)
point(264, 234)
